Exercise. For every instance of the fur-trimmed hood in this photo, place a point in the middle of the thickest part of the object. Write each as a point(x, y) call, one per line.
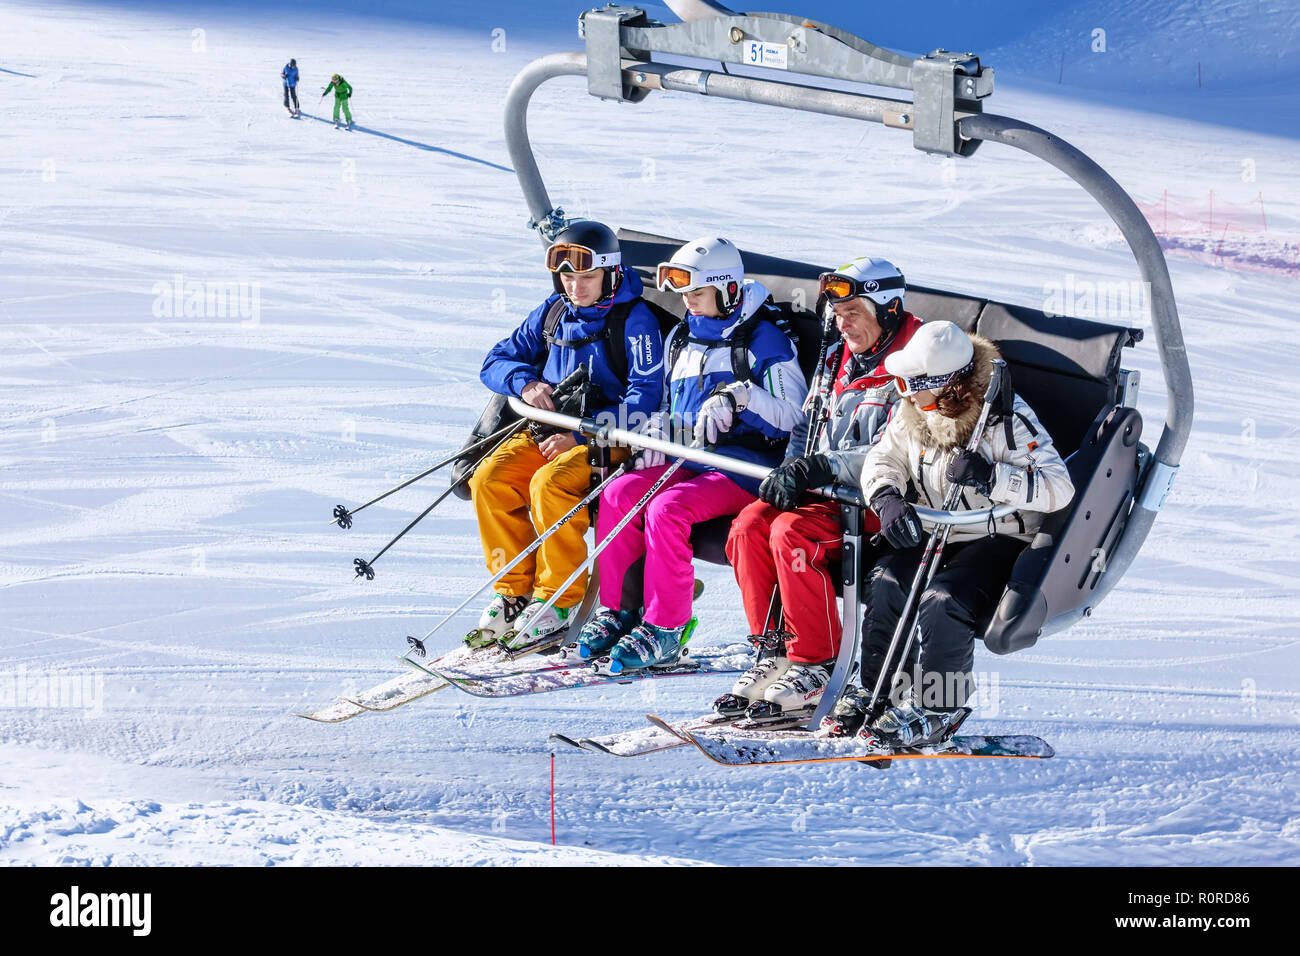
point(933, 430)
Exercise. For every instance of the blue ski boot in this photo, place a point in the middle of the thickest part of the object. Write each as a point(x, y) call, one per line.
point(599, 634)
point(649, 646)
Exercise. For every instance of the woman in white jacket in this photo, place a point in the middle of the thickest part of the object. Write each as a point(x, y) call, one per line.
point(943, 374)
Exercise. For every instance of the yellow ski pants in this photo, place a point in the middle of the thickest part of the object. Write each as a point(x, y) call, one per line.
point(517, 494)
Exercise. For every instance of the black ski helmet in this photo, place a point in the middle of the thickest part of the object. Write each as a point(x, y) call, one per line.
point(603, 245)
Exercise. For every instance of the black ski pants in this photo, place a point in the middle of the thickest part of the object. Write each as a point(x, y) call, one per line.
point(962, 594)
point(288, 92)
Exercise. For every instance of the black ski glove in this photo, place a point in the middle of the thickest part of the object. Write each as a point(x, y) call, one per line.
point(971, 469)
point(898, 521)
point(786, 486)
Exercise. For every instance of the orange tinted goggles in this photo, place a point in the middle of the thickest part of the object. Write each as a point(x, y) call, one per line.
point(835, 287)
point(566, 257)
point(674, 278)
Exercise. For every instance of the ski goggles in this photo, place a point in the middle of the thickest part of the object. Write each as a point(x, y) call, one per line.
point(835, 286)
point(568, 257)
point(675, 278)
point(908, 384)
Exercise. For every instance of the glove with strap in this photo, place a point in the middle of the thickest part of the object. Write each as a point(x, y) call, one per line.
point(971, 469)
point(717, 415)
point(786, 486)
point(898, 521)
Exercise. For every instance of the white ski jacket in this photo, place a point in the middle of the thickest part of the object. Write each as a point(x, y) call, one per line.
point(1028, 472)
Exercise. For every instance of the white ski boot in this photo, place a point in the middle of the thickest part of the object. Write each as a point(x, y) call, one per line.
point(795, 692)
point(536, 627)
point(497, 619)
point(749, 686)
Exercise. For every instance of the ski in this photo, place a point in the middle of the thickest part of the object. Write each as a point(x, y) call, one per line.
point(736, 748)
point(725, 660)
point(395, 691)
point(389, 695)
point(335, 713)
point(641, 741)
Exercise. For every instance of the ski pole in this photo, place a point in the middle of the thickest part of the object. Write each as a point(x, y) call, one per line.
point(536, 543)
point(815, 420)
point(366, 568)
point(933, 553)
point(344, 517)
point(604, 543)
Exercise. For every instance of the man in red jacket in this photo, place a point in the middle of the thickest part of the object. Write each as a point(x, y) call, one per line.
point(781, 546)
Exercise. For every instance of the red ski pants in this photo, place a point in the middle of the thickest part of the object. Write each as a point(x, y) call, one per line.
point(769, 548)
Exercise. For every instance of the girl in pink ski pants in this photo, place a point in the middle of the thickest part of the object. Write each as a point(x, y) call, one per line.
point(661, 532)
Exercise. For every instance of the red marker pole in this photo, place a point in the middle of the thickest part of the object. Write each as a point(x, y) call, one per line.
point(552, 799)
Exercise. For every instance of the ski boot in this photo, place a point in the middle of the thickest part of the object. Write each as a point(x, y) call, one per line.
point(909, 726)
point(849, 713)
point(535, 629)
point(794, 694)
point(599, 635)
point(496, 620)
point(646, 646)
point(750, 685)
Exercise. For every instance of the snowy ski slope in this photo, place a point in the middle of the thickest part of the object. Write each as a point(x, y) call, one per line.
point(168, 576)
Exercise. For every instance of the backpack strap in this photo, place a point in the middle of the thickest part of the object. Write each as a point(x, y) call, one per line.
point(615, 340)
point(1006, 408)
point(741, 368)
point(612, 334)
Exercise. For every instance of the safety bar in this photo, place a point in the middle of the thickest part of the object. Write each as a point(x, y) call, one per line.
point(607, 434)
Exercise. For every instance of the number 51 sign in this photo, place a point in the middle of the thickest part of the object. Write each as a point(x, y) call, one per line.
point(774, 55)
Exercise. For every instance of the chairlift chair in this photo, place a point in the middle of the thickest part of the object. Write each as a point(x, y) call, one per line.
point(1068, 369)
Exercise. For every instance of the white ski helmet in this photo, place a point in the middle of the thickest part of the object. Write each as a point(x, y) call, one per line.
point(707, 261)
point(866, 278)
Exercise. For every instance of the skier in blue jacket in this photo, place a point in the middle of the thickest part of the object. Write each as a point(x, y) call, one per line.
point(528, 483)
point(290, 77)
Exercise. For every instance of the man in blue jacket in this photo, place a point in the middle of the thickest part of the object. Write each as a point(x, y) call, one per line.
point(290, 77)
point(595, 318)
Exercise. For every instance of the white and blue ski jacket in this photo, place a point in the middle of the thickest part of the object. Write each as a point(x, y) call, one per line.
point(776, 393)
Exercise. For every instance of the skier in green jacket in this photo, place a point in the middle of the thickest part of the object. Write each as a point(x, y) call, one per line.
point(342, 93)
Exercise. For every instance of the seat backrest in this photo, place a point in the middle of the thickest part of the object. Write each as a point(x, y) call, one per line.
point(1067, 369)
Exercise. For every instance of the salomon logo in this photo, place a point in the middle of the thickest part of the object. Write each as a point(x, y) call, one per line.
point(643, 358)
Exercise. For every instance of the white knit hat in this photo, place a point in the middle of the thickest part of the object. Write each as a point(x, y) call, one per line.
point(931, 358)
